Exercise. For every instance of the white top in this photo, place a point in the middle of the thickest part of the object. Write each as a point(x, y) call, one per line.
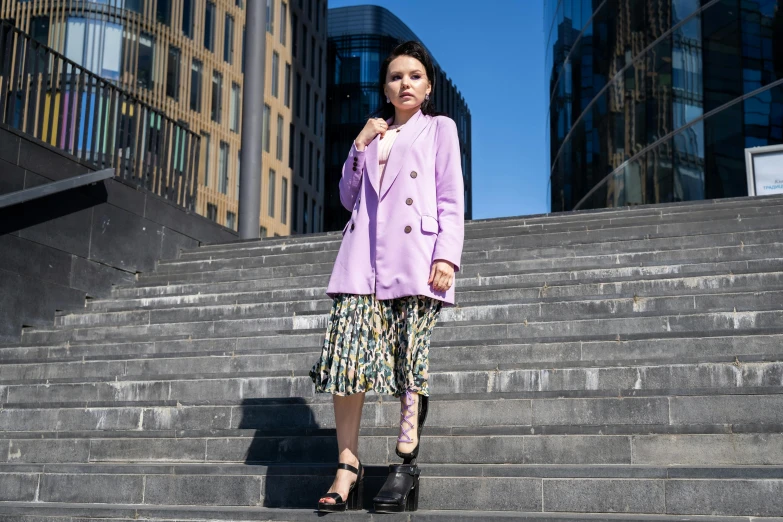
point(384, 148)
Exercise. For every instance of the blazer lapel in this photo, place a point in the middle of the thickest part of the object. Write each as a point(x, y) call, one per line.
point(410, 131)
point(371, 161)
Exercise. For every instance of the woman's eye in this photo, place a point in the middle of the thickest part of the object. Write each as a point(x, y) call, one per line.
point(416, 77)
point(394, 78)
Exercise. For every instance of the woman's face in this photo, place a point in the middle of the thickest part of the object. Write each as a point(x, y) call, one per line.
point(406, 83)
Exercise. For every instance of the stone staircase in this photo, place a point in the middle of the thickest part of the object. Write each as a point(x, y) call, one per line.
point(610, 365)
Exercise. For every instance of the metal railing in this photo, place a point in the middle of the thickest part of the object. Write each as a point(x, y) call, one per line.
point(53, 99)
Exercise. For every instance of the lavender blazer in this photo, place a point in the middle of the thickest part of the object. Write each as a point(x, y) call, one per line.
point(393, 237)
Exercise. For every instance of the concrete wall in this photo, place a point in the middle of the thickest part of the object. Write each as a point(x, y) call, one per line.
point(57, 250)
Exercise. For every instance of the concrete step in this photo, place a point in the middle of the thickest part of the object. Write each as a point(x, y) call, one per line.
point(243, 259)
point(54, 512)
point(276, 266)
point(669, 412)
point(646, 287)
point(483, 257)
point(524, 320)
point(606, 218)
point(755, 373)
point(544, 308)
point(218, 282)
point(296, 347)
point(496, 358)
point(439, 446)
point(738, 254)
point(727, 490)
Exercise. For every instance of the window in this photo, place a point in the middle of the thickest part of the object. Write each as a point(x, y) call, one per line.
point(310, 164)
point(228, 40)
point(301, 155)
point(212, 212)
point(146, 60)
point(304, 47)
point(291, 142)
point(267, 127)
point(287, 86)
point(279, 151)
point(187, 18)
point(39, 29)
point(294, 32)
point(172, 73)
point(313, 218)
point(97, 46)
point(310, 9)
point(239, 4)
point(317, 16)
point(209, 26)
point(275, 74)
point(298, 95)
point(235, 106)
point(270, 16)
point(231, 220)
point(196, 75)
point(320, 66)
point(239, 172)
point(316, 112)
point(284, 201)
point(223, 173)
point(262, 232)
point(244, 46)
point(135, 5)
point(307, 104)
point(271, 203)
point(217, 95)
point(305, 220)
point(312, 56)
point(318, 179)
point(163, 12)
point(283, 20)
point(295, 210)
point(205, 146)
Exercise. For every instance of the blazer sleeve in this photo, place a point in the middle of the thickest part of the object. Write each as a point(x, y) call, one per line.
point(351, 180)
point(450, 191)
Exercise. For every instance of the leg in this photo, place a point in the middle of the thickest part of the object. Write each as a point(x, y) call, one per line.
point(347, 416)
point(409, 422)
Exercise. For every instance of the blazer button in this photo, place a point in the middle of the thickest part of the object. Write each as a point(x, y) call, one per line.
point(409, 201)
point(414, 174)
point(354, 168)
point(408, 229)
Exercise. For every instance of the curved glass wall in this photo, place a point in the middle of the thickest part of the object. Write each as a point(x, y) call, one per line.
point(655, 102)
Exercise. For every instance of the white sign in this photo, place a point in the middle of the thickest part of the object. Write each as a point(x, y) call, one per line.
point(765, 170)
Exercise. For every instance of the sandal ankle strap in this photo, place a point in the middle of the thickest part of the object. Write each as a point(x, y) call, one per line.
point(350, 468)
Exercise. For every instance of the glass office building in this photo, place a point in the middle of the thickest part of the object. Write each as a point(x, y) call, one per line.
point(359, 39)
point(655, 101)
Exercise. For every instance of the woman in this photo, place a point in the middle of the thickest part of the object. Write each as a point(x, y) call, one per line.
point(395, 269)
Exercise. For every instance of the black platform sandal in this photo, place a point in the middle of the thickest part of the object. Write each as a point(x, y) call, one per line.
point(355, 494)
point(401, 490)
point(405, 417)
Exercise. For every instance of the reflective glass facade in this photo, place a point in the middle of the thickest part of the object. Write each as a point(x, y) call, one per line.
point(359, 39)
point(655, 101)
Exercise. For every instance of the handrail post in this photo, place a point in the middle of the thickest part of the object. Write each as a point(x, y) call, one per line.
point(252, 110)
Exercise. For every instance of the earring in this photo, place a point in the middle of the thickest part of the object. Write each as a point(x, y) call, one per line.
point(388, 100)
point(426, 97)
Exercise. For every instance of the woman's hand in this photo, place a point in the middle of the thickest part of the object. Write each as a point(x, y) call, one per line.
point(373, 127)
point(441, 275)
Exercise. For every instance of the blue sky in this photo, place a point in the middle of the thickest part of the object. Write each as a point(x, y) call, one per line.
point(494, 52)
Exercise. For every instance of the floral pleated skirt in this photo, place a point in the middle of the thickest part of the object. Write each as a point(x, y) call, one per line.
point(376, 345)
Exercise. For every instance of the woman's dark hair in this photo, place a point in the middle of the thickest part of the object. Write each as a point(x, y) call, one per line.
point(415, 50)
